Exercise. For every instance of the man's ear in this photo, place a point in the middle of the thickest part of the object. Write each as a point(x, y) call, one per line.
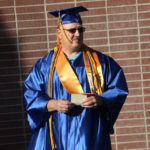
point(59, 33)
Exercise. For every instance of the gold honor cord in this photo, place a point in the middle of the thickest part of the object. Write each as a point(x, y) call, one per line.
point(50, 90)
point(88, 71)
point(96, 70)
point(99, 74)
point(50, 78)
point(53, 145)
point(97, 83)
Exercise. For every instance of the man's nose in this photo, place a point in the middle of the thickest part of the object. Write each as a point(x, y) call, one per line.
point(77, 33)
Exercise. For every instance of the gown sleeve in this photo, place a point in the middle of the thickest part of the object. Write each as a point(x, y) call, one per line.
point(35, 98)
point(115, 92)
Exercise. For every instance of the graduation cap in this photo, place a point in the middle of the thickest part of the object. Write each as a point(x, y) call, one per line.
point(69, 15)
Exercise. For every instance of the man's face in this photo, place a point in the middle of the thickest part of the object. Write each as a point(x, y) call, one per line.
point(74, 32)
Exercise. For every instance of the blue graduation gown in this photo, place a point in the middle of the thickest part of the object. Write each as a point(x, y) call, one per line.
point(81, 128)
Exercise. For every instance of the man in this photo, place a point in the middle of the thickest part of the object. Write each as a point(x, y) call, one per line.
point(74, 94)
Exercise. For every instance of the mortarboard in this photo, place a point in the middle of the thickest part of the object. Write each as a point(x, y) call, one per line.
point(69, 15)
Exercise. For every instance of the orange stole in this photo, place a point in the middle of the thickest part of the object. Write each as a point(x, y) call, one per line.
point(67, 76)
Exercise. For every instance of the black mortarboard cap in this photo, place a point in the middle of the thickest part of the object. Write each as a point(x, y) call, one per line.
point(69, 15)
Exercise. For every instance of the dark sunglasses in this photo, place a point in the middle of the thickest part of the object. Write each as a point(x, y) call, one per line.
point(73, 30)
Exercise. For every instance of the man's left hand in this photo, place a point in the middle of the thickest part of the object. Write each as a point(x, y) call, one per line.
point(92, 102)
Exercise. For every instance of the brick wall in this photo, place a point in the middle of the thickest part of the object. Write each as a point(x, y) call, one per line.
point(117, 28)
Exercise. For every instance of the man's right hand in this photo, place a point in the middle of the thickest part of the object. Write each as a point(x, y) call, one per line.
point(61, 105)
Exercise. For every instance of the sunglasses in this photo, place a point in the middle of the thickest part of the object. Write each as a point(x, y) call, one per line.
point(73, 30)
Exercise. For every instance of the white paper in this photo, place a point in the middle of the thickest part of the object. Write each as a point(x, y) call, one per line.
point(77, 98)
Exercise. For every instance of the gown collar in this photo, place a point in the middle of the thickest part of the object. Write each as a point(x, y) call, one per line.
point(76, 60)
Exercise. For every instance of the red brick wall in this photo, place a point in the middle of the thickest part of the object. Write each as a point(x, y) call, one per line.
point(119, 28)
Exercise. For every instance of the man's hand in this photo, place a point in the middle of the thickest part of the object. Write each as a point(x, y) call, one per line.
point(92, 102)
point(61, 105)
point(64, 106)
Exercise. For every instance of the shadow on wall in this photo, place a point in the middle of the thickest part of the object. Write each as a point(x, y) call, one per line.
point(12, 124)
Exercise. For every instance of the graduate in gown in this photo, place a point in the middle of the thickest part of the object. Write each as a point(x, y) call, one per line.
point(73, 68)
